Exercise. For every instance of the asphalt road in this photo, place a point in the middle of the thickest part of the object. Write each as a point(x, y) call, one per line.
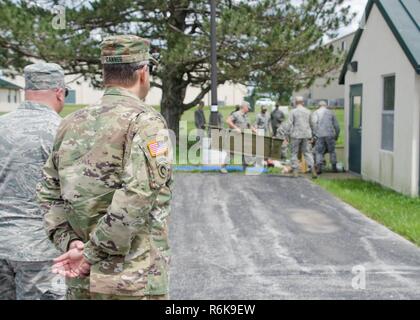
point(268, 237)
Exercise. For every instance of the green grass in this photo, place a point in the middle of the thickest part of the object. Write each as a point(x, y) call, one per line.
point(225, 111)
point(399, 213)
point(70, 108)
point(340, 118)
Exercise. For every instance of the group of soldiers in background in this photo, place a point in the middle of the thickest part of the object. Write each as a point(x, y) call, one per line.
point(307, 135)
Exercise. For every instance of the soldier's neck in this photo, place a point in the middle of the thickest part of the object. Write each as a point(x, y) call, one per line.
point(44, 102)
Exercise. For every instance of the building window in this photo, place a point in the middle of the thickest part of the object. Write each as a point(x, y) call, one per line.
point(388, 114)
point(16, 96)
point(9, 98)
point(343, 45)
point(71, 98)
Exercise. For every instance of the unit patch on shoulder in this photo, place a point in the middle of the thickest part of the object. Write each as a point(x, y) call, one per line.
point(157, 148)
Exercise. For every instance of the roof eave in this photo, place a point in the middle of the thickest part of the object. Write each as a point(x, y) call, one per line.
point(354, 44)
point(4, 84)
point(411, 58)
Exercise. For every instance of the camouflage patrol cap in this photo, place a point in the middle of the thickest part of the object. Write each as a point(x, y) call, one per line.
point(43, 76)
point(126, 49)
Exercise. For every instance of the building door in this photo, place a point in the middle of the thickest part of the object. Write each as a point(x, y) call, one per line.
point(355, 130)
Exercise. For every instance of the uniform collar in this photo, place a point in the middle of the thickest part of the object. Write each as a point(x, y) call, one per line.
point(30, 105)
point(118, 91)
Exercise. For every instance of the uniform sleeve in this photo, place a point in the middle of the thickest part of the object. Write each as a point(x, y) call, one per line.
point(291, 120)
point(46, 141)
point(234, 118)
point(131, 205)
point(257, 121)
point(282, 116)
point(56, 225)
point(47, 136)
point(314, 123)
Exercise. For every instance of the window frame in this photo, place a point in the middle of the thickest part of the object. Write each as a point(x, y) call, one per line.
point(385, 112)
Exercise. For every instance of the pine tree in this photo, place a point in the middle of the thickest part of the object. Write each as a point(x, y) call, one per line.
point(276, 44)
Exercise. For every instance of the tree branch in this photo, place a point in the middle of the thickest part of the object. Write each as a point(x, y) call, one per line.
point(197, 99)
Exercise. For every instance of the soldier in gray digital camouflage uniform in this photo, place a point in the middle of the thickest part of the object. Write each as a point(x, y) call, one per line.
point(262, 121)
point(238, 122)
point(326, 131)
point(283, 133)
point(26, 138)
point(200, 121)
point(277, 117)
point(301, 134)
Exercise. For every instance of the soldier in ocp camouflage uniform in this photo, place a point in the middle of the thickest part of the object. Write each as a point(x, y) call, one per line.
point(107, 184)
point(26, 138)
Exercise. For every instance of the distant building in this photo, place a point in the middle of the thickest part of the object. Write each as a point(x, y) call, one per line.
point(228, 94)
point(10, 95)
point(333, 92)
point(382, 90)
point(82, 92)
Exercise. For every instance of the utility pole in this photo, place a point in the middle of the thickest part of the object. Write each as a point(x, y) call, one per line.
point(213, 121)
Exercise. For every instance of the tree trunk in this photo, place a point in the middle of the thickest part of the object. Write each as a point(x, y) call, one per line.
point(172, 107)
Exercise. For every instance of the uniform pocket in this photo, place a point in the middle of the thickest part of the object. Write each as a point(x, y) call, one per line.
point(116, 276)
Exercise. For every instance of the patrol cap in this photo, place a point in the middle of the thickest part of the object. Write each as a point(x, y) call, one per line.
point(126, 49)
point(322, 104)
point(43, 76)
point(299, 99)
point(264, 108)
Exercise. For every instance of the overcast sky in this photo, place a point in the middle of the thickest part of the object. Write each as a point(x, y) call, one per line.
point(357, 6)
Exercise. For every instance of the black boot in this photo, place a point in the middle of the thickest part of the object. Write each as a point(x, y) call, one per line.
point(334, 168)
point(319, 170)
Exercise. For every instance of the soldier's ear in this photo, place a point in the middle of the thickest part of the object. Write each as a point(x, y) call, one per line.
point(143, 75)
point(60, 95)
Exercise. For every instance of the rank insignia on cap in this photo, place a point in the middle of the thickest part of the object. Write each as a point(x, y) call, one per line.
point(157, 148)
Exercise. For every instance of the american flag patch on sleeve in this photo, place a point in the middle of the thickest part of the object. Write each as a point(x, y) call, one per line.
point(157, 148)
